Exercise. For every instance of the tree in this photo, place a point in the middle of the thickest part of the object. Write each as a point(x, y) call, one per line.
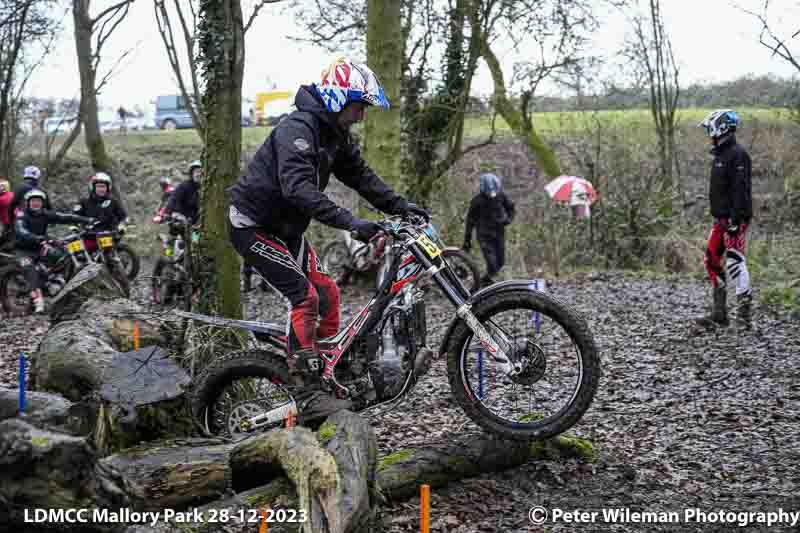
point(91, 33)
point(221, 63)
point(186, 74)
point(385, 56)
point(651, 52)
point(27, 31)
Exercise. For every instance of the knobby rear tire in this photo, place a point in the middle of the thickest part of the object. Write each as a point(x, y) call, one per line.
point(224, 371)
point(578, 331)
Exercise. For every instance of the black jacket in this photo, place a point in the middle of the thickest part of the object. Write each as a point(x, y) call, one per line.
point(729, 189)
point(19, 193)
point(489, 215)
point(31, 230)
point(185, 199)
point(106, 210)
point(282, 189)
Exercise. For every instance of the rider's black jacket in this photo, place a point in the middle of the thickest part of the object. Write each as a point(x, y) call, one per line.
point(282, 189)
point(31, 229)
point(106, 210)
point(19, 193)
point(185, 199)
point(729, 189)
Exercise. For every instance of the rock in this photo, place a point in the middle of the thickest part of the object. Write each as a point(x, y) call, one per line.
point(44, 410)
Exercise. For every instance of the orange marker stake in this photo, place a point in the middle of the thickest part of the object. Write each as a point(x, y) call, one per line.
point(290, 419)
point(263, 527)
point(135, 336)
point(425, 509)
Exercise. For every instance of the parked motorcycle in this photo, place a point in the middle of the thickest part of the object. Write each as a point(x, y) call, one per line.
point(520, 363)
point(347, 255)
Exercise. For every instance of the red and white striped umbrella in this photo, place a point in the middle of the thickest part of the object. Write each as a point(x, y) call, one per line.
point(571, 189)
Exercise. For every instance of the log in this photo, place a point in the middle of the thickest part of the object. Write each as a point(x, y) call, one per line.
point(173, 474)
point(331, 473)
point(400, 473)
point(133, 395)
point(74, 356)
point(310, 468)
point(92, 281)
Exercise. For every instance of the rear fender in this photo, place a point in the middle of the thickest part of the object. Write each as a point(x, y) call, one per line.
point(485, 292)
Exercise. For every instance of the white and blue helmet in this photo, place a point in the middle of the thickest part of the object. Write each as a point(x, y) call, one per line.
point(720, 123)
point(344, 82)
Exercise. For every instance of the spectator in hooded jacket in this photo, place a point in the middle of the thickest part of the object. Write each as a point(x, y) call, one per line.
point(490, 211)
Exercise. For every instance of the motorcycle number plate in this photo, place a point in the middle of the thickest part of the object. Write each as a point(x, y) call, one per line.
point(106, 242)
point(429, 246)
point(74, 247)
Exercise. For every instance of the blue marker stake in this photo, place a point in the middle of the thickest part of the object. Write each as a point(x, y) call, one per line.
point(22, 362)
point(480, 374)
point(536, 319)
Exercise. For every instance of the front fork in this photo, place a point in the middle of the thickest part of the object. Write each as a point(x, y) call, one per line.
point(458, 295)
point(496, 352)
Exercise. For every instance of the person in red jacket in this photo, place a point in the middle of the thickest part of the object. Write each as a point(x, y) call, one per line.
point(6, 197)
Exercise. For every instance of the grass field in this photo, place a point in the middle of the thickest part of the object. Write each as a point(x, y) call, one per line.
point(546, 123)
point(564, 121)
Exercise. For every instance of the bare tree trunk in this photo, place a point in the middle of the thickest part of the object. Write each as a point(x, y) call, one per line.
point(385, 55)
point(89, 54)
point(222, 60)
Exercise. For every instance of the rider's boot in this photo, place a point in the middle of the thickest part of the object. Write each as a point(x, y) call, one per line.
point(743, 311)
point(313, 402)
point(38, 301)
point(719, 312)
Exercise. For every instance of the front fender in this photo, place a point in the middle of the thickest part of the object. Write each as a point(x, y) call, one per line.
point(503, 286)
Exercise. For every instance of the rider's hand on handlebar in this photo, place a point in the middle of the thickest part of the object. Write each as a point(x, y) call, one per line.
point(364, 230)
point(414, 209)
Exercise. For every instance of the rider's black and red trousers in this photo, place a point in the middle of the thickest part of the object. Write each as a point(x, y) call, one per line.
point(293, 269)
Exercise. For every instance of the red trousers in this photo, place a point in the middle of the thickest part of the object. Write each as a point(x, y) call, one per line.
point(722, 246)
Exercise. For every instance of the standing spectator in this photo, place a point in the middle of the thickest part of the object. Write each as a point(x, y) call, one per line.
point(5, 216)
point(490, 212)
point(123, 116)
point(732, 210)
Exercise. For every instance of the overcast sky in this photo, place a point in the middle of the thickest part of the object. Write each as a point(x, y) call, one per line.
point(713, 41)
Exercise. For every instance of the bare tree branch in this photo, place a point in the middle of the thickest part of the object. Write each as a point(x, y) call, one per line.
point(256, 9)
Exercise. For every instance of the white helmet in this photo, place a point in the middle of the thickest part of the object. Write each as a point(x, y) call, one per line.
point(100, 177)
point(31, 173)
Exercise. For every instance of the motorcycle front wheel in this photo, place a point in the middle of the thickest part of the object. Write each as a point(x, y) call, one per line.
point(558, 366)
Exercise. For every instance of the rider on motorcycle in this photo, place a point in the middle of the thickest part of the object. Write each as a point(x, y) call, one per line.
point(100, 204)
point(166, 192)
point(186, 197)
point(273, 202)
point(32, 244)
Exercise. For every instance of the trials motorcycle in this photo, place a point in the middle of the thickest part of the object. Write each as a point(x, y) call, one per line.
point(520, 363)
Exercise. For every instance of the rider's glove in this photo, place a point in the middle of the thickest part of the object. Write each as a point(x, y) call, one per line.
point(413, 209)
point(364, 230)
point(157, 219)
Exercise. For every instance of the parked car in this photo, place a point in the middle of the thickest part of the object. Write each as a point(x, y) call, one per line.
point(172, 113)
